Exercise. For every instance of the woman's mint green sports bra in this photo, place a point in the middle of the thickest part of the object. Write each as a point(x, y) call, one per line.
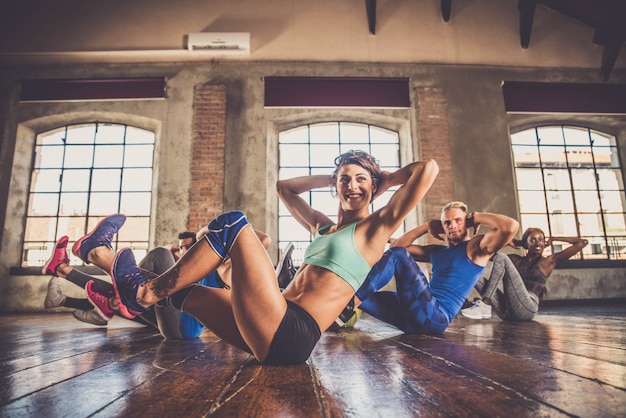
point(336, 252)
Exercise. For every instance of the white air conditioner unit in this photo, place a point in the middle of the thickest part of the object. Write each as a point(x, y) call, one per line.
point(226, 43)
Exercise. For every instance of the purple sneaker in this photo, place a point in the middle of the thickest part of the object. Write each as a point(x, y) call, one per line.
point(127, 278)
point(224, 230)
point(59, 256)
point(100, 236)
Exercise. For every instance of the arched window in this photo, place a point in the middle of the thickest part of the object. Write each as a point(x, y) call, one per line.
point(570, 183)
point(311, 149)
point(82, 173)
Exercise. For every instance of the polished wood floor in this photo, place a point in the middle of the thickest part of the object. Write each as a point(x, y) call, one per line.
point(570, 361)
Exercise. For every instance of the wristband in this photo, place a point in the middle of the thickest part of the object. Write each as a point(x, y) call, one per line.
point(469, 220)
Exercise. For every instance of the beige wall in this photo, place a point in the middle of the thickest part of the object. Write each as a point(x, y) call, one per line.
point(479, 129)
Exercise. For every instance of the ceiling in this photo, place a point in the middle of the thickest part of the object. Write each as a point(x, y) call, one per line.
point(606, 17)
point(578, 34)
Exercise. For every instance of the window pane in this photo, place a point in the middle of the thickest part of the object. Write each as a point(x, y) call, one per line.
point(528, 137)
point(110, 134)
point(81, 134)
point(550, 135)
point(532, 202)
point(324, 133)
point(138, 156)
point(560, 201)
point(135, 204)
point(137, 179)
point(293, 155)
point(291, 230)
point(535, 220)
point(610, 179)
point(553, 156)
point(73, 204)
point(45, 181)
point(138, 136)
point(557, 179)
point(353, 133)
point(378, 135)
point(288, 173)
point(108, 156)
point(356, 146)
point(75, 181)
point(590, 224)
point(54, 137)
point(40, 229)
point(323, 155)
point(600, 140)
point(616, 224)
point(78, 156)
point(106, 180)
point(579, 156)
point(324, 202)
point(577, 137)
point(563, 224)
point(587, 201)
point(51, 158)
point(612, 201)
point(104, 204)
point(529, 179)
point(43, 204)
point(388, 155)
point(135, 229)
point(584, 179)
point(526, 156)
point(297, 136)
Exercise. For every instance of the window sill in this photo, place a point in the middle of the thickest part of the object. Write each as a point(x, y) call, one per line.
point(591, 264)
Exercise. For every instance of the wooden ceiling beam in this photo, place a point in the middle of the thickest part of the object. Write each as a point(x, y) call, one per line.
point(370, 8)
point(446, 10)
point(609, 56)
point(526, 15)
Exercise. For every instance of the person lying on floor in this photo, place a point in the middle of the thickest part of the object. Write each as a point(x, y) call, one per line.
point(523, 278)
point(255, 316)
point(100, 306)
point(420, 306)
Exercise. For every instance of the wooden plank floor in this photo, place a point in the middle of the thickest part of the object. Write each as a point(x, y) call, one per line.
point(570, 361)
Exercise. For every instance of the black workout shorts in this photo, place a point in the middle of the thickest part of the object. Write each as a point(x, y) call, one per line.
point(295, 338)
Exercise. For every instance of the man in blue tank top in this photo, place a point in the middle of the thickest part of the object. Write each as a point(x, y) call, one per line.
point(420, 306)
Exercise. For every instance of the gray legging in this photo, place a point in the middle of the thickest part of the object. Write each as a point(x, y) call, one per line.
point(514, 302)
point(165, 318)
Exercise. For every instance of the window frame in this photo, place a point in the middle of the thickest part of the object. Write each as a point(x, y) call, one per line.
point(90, 219)
point(590, 130)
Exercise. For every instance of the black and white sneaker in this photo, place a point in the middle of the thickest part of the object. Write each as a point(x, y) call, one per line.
point(285, 270)
point(347, 314)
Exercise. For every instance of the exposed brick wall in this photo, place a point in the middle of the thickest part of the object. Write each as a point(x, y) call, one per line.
point(206, 197)
point(433, 134)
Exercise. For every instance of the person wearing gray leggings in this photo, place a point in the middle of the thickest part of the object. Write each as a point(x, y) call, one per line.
point(171, 322)
point(514, 302)
point(523, 278)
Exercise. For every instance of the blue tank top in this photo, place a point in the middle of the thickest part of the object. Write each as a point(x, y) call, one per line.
point(336, 252)
point(454, 276)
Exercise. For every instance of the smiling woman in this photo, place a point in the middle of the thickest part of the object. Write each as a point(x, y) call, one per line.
point(254, 315)
point(305, 150)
